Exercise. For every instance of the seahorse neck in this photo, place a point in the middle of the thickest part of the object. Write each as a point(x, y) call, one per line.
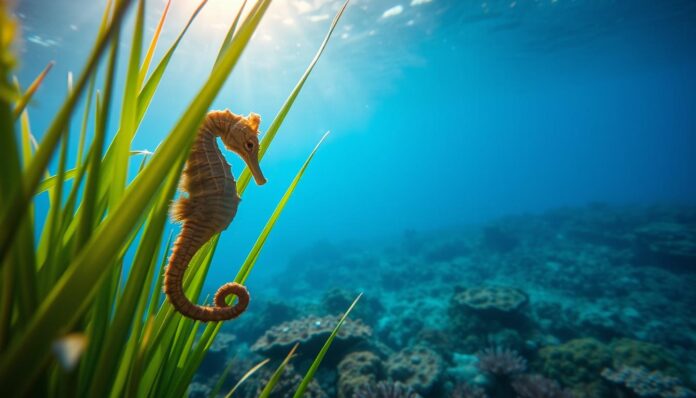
point(208, 152)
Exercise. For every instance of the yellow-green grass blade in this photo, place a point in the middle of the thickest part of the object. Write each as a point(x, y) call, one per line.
point(230, 32)
point(153, 44)
point(6, 305)
point(51, 181)
point(178, 356)
point(167, 319)
point(157, 290)
point(136, 373)
point(148, 89)
point(221, 380)
point(145, 94)
point(154, 357)
point(245, 176)
point(25, 129)
point(48, 234)
point(9, 161)
point(23, 257)
point(317, 360)
point(83, 127)
point(111, 350)
point(76, 287)
point(132, 352)
point(181, 338)
point(266, 392)
point(185, 369)
point(26, 139)
point(197, 355)
point(247, 375)
point(21, 195)
point(248, 264)
point(166, 312)
point(118, 168)
point(23, 260)
point(89, 208)
point(107, 15)
point(31, 90)
point(9, 155)
point(48, 246)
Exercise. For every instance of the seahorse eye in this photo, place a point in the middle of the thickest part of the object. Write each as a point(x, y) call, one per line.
point(249, 146)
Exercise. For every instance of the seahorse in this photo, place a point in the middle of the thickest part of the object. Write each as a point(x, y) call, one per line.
point(210, 206)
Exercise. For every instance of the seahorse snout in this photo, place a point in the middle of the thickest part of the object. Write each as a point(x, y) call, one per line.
point(252, 161)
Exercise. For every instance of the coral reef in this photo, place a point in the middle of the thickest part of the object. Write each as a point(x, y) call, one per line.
point(646, 383)
point(573, 291)
point(310, 332)
point(416, 367)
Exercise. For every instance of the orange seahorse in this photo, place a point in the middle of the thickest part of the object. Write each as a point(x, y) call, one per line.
point(210, 207)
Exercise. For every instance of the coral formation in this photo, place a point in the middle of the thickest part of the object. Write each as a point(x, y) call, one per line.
point(668, 243)
point(385, 390)
point(261, 317)
point(310, 332)
point(286, 386)
point(646, 383)
point(634, 353)
point(577, 363)
point(497, 299)
point(464, 390)
point(489, 315)
point(502, 365)
point(357, 369)
point(416, 367)
point(465, 369)
point(499, 361)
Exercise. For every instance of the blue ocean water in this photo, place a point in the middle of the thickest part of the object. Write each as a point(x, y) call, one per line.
point(448, 118)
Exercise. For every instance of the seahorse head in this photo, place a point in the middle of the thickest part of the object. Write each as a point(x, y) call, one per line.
point(240, 135)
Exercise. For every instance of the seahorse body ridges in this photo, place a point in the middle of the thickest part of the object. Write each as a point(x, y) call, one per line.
point(210, 206)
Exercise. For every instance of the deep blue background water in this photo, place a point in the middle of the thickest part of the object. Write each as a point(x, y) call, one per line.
point(442, 113)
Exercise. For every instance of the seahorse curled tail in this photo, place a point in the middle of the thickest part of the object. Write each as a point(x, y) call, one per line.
point(189, 241)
